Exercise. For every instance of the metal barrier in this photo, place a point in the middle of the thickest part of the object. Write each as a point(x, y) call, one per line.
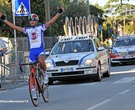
point(9, 68)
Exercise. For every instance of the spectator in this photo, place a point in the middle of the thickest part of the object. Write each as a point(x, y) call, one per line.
point(3, 47)
point(110, 41)
point(105, 42)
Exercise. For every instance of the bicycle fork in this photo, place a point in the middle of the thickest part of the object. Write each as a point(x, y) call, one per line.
point(33, 79)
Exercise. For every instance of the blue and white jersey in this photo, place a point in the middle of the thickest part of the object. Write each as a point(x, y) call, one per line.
point(35, 35)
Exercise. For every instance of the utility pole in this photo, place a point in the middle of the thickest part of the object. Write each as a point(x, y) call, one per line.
point(47, 10)
point(120, 2)
point(88, 7)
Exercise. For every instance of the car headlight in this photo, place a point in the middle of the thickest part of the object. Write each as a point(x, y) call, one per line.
point(49, 65)
point(89, 62)
point(114, 53)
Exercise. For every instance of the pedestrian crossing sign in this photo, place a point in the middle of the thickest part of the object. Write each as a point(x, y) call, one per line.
point(21, 7)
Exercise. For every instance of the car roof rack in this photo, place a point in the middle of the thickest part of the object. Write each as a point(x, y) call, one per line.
point(73, 38)
point(125, 37)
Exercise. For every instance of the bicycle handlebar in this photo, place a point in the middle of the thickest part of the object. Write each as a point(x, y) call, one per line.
point(22, 64)
point(20, 67)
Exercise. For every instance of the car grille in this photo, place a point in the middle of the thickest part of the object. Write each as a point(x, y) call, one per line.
point(131, 52)
point(125, 60)
point(68, 73)
point(71, 62)
point(123, 53)
point(127, 53)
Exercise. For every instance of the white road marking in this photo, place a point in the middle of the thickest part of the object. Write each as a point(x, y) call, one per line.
point(87, 84)
point(131, 71)
point(2, 91)
point(22, 88)
point(125, 80)
point(124, 92)
point(54, 86)
point(99, 104)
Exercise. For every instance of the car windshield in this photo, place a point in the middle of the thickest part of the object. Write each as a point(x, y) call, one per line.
point(72, 47)
point(124, 42)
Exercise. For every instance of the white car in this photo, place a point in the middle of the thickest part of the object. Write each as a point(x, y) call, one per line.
point(123, 50)
point(78, 57)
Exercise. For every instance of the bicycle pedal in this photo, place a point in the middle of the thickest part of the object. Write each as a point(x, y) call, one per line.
point(34, 98)
point(46, 85)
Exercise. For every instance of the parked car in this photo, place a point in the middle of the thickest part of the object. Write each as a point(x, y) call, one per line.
point(123, 50)
point(78, 57)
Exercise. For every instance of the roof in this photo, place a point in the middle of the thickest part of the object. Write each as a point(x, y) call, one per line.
point(125, 37)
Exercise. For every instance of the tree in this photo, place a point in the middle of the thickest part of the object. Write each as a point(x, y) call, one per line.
point(122, 14)
point(73, 9)
point(5, 8)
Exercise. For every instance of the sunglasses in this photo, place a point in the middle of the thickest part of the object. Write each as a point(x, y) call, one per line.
point(32, 19)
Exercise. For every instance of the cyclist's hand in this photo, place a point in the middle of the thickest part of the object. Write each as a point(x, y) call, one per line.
point(60, 10)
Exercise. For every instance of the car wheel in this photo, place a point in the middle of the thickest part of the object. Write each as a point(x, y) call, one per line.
point(50, 82)
point(107, 74)
point(98, 76)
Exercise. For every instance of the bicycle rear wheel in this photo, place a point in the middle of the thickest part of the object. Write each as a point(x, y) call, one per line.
point(45, 91)
point(33, 83)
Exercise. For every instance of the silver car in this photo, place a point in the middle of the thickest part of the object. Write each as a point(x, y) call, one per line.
point(123, 50)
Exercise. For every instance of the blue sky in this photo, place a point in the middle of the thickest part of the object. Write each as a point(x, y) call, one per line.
point(100, 2)
point(103, 2)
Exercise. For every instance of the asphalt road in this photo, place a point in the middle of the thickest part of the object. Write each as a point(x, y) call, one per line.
point(114, 93)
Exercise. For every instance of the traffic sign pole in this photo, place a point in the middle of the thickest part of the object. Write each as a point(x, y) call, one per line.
point(13, 7)
point(15, 41)
point(19, 8)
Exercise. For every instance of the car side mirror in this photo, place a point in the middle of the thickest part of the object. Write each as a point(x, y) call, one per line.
point(47, 53)
point(101, 49)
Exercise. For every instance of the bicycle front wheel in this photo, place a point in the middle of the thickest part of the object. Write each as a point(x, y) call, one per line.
point(33, 90)
point(45, 93)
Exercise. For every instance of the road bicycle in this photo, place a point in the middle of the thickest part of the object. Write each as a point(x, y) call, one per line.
point(36, 79)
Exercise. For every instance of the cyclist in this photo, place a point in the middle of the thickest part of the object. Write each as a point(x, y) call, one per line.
point(35, 36)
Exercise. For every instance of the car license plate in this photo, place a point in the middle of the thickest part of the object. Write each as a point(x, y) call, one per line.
point(66, 69)
point(128, 56)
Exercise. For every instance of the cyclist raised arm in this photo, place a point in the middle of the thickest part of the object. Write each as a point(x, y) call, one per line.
point(49, 23)
point(59, 12)
point(35, 35)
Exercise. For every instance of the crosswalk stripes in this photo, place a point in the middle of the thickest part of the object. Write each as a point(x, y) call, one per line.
point(125, 80)
point(22, 9)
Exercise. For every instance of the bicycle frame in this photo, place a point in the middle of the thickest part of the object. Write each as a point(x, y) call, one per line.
point(36, 80)
point(35, 75)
